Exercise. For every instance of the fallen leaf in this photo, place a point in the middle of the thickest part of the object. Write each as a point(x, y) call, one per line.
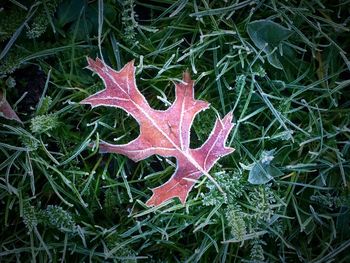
point(263, 171)
point(165, 133)
point(269, 36)
point(6, 110)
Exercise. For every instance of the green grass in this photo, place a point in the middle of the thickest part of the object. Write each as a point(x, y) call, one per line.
point(287, 195)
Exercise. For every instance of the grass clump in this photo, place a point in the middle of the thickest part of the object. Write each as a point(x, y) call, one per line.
point(282, 67)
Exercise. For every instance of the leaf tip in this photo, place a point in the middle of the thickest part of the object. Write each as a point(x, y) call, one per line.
point(93, 65)
point(129, 68)
point(86, 101)
point(166, 192)
point(131, 62)
point(228, 118)
point(186, 77)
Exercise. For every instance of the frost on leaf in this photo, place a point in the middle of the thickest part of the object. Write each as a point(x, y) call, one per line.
point(166, 133)
point(6, 110)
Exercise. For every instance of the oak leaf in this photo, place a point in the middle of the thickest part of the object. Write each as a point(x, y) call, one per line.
point(165, 133)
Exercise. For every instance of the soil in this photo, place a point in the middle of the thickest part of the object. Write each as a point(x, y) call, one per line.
point(31, 80)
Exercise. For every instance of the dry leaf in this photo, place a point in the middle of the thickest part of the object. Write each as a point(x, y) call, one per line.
point(166, 133)
point(6, 110)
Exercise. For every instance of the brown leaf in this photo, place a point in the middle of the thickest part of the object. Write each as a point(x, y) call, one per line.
point(166, 133)
point(6, 111)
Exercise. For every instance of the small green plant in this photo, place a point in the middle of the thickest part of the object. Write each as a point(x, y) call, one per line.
point(29, 216)
point(44, 123)
point(129, 21)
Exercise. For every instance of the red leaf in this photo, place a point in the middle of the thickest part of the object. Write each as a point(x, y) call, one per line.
point(6, 111)
point(166, 133)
